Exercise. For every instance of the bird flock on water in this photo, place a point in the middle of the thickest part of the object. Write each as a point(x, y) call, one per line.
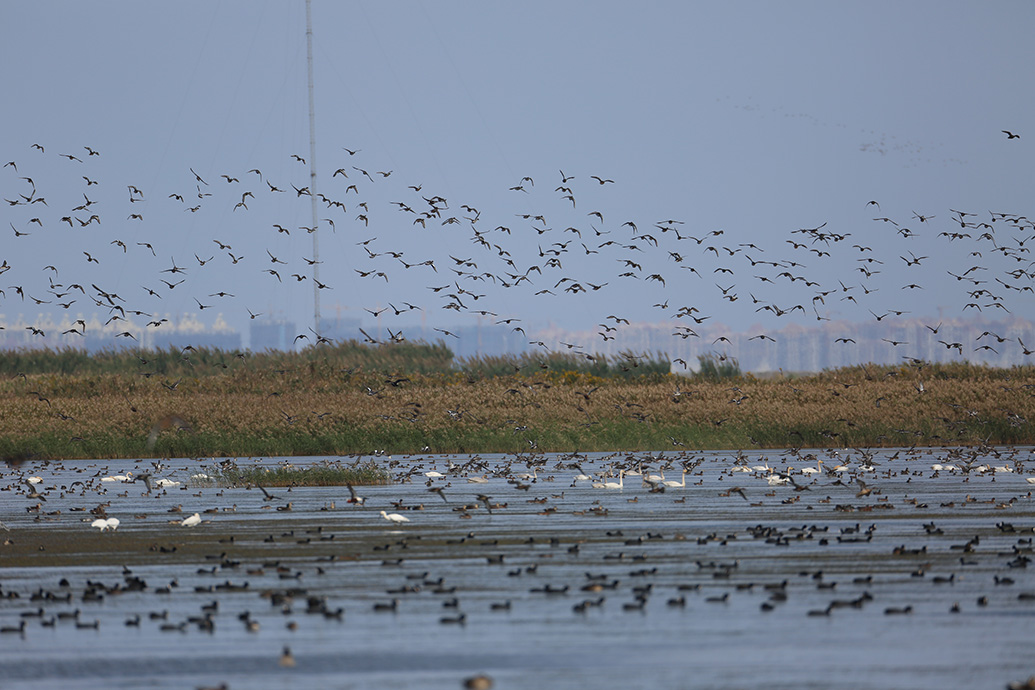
point(910, 532)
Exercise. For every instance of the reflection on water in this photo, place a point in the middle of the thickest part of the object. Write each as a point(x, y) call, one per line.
point(911, 579)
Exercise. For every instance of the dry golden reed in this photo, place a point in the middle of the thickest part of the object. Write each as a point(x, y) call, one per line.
point(316, 409)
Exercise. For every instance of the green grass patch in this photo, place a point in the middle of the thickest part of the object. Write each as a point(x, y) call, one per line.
point(330, 473)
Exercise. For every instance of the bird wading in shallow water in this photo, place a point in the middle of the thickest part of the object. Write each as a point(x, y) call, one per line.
point(394, 518)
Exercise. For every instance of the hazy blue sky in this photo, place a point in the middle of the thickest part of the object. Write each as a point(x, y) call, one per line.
point(755, 119)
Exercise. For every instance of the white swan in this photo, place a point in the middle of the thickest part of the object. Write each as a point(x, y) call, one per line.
point(118, 477)
point(620, 484)
point(673, 484)
point(193, 521)
point(813, 470)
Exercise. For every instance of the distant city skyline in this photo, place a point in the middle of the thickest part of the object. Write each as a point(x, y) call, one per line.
point(794, 348)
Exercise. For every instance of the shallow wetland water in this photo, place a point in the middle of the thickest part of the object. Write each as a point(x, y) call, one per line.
point(912, 579)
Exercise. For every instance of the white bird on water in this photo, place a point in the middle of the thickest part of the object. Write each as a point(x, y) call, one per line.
point(118, 477)
point(193, 521)
point(813, 470)
point(105, 524)
point(672, 484)
point(394, 517)
point(620, 484)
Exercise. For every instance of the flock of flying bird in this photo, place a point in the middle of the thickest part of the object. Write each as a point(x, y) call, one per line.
point(231, 242)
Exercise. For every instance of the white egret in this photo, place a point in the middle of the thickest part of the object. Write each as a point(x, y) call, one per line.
point(394, 517)
point(105, 524)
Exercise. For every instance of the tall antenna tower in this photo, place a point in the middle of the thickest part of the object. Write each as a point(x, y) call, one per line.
point(312, 167)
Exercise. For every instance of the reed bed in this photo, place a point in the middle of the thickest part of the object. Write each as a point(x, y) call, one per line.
point(350, 355)
point(328, 473)
point(321, 409)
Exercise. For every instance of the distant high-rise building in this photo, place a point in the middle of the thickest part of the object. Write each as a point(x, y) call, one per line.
point(189, 331)
point(93, 335)
point(272, 335)
point(339, 327)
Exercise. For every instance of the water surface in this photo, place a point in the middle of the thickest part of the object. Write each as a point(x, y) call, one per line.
point(696, 587)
